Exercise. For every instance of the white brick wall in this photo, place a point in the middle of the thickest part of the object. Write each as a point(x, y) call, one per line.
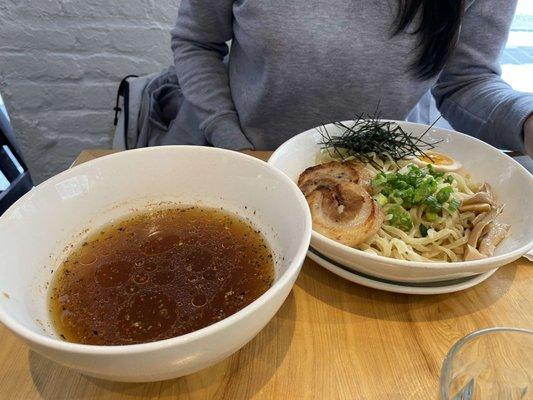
point(60, 65)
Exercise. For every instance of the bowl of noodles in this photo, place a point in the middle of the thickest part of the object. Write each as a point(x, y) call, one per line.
point(410, 202)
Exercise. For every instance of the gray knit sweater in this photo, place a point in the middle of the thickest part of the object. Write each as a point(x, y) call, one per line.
point(295, 64)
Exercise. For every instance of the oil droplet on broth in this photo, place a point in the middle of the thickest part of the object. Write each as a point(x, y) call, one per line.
point(199, 300)
point(208, 275)
point(149, 266)
point(113, 274)
point(87, 258)
point(157, 275)
point(148, 313)
point(159, 242)
point(163, 277)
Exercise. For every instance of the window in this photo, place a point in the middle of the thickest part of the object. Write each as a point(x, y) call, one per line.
point(517, 58)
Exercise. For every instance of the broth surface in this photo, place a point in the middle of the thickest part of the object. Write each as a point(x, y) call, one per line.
point(157, 275)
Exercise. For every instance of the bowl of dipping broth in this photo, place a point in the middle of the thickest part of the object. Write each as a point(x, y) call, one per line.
point(151, 264)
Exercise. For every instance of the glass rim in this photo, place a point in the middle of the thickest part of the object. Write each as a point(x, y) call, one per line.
point(446, 363)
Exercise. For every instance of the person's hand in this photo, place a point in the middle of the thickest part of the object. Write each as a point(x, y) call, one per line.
point(528, 135)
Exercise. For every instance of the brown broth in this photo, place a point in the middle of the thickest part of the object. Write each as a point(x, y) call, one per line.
point(157, 275)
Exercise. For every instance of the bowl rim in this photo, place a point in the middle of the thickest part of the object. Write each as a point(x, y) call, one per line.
point(292, 269)
point(350, 251)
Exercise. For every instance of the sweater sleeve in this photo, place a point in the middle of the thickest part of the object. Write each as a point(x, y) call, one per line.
point(199, 44)
point(470, 93)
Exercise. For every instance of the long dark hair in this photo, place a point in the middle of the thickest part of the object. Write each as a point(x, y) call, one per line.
point(438, 24)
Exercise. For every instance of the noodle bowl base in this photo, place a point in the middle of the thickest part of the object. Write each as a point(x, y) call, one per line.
point(417, 288)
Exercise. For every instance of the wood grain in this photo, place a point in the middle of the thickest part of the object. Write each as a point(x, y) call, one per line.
point(331, 339)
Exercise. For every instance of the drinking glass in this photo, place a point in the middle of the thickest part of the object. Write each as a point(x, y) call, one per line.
point(494, 363)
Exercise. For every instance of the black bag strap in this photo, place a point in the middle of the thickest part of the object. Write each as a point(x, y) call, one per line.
point(12, 166)
point(7, 137)
point(124, 92)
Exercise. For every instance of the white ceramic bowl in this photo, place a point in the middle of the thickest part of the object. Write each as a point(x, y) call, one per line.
point(512, 183)
point(35, 230)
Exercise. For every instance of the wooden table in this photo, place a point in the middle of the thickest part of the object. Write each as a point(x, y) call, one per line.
point(331, 339)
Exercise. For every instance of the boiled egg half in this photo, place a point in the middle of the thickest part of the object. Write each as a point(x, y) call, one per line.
point(439, 161)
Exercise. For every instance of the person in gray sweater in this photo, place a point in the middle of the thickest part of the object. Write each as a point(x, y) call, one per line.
point(296, 64)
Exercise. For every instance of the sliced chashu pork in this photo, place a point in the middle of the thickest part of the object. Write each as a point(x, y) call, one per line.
point(345, 212)
point(332, 173)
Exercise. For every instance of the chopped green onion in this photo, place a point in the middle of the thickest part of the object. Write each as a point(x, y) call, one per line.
point(449, 179)
point(413, 187)
point(433, 172)
point(453, 205)
point(400, 218)
point(381, 199)
point(433, 204)
point(444, 194)
point(380, 179)
point(431, 216)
